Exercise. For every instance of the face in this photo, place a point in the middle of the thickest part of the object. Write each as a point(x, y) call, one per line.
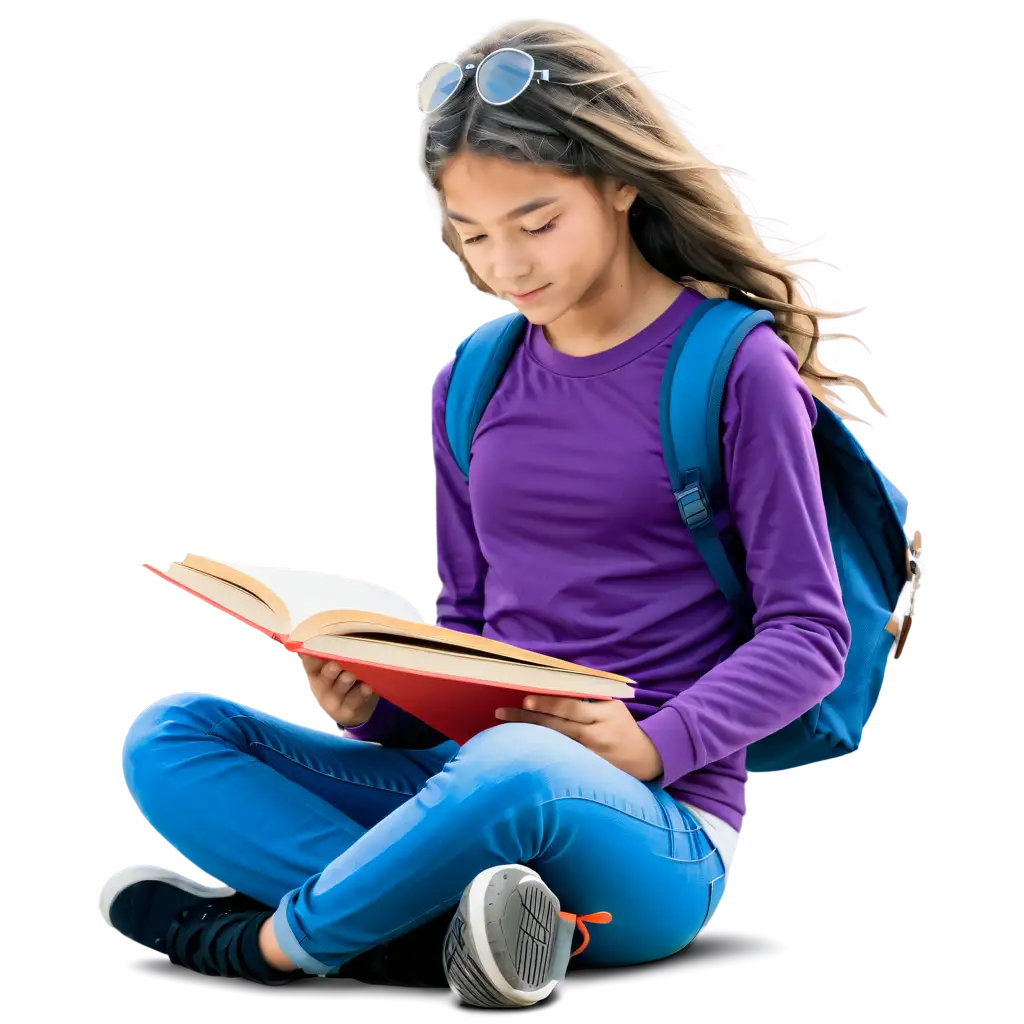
point(562, 247)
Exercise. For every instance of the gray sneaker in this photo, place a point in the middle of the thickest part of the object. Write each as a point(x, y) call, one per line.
point(509, 942)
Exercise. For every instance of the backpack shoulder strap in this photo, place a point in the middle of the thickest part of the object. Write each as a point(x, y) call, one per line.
point(479, 364)
point(690, 409)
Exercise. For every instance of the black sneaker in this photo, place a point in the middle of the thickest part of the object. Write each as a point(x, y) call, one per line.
point(412, 959)
point(200, 925)
point(195, 925)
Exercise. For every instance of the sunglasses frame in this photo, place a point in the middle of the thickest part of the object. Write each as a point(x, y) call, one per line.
point(469, 71)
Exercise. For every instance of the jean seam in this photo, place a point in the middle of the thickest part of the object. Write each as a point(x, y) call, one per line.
point(686, 815)
point(315, 771)
point(663, 827)
point(709, 913)
point(667, 817)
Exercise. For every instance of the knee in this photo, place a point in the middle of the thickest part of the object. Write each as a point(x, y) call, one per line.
point(147, 747)
point(519, 754)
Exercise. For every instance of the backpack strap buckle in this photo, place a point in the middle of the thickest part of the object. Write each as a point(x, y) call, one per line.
point(692, 501)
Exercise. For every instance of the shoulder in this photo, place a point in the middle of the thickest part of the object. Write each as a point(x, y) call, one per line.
point(436, 389)
point(439, 399)
point(440, 376)
point(764, 381)
point(763, 354)
point(441, 381)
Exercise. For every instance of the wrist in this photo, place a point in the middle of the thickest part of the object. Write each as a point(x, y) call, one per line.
point(366, 714)
point(650, 763)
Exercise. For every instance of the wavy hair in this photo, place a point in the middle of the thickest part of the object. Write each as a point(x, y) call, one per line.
point(594, 118)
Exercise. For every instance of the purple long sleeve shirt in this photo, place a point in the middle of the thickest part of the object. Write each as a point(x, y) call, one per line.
point(567, 541)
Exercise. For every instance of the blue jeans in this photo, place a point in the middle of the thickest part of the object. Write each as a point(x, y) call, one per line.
point(355, 843)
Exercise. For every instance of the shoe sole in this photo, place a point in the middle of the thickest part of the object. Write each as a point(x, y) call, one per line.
point(485, 910)
point(117, 883)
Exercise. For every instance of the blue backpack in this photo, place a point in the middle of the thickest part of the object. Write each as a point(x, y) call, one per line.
point(865, 512)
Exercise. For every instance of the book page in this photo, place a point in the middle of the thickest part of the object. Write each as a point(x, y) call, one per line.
point(306, 592)
point(433, 660)
point(224, 594)
point(410, 572)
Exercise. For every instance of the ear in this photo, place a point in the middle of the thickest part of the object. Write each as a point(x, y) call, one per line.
point(623, 196)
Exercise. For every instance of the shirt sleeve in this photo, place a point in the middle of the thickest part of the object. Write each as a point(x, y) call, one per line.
point(801, 638)
point(460, 563)
point(461, 568)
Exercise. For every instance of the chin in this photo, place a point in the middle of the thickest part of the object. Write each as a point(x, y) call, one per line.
point(540, 313)
point(537, 319)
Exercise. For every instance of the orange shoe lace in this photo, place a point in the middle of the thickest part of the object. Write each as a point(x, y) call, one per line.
point(601, 917)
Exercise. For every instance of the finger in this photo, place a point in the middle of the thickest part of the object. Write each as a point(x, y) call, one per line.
point(571, 708)
point(345, 684)
point(340, 688)
point(331, 669)
point(574, 730)
point(320, 684)
point(356, 697)
point(316, 690)
point(310, 664)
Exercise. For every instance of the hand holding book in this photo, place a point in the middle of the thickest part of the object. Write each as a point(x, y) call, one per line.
point(452, 681)
point(348, 701)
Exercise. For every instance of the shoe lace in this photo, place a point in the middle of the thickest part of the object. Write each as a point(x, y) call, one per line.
point(218, 933)
point(599, 917)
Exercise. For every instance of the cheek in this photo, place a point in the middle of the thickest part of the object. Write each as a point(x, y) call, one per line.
point(580, 248)
point(562, 260)
point(480, 267)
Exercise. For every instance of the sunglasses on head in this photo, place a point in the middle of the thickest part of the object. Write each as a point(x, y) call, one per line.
point(500, 77)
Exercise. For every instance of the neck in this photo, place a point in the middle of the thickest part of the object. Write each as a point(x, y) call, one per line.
point(622, 301)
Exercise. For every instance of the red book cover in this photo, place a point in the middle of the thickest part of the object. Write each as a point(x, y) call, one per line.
point(457, 706)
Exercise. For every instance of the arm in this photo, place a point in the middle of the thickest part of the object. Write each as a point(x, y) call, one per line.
point(460, 563)
point(801, 632)
point(461, 568)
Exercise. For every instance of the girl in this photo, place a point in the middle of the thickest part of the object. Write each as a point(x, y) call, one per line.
point(565, 188)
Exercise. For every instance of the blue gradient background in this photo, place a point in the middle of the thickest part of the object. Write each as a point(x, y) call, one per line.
point(218, 305)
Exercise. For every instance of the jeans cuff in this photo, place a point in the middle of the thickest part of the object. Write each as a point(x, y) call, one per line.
point(290, 945)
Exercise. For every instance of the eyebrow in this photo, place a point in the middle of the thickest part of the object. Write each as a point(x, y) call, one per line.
point(519, 211)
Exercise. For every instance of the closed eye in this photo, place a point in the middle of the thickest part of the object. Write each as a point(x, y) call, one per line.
point(537, 231)
point(543, 228)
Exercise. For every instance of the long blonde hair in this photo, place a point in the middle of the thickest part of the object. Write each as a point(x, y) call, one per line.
point(595, 118)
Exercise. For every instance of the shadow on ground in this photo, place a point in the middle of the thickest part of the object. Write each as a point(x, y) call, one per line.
point(712, 951)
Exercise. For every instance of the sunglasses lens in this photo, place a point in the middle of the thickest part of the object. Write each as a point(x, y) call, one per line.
point(440, 82)
point(503, 75)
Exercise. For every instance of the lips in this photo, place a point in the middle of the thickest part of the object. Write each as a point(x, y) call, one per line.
point(527, 295)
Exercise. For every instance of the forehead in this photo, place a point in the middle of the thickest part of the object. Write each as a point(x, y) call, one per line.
point(487, 186)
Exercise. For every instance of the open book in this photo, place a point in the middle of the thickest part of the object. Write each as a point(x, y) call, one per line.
point(451, 680)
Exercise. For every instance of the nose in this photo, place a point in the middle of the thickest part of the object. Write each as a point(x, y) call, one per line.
point(509, 263)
